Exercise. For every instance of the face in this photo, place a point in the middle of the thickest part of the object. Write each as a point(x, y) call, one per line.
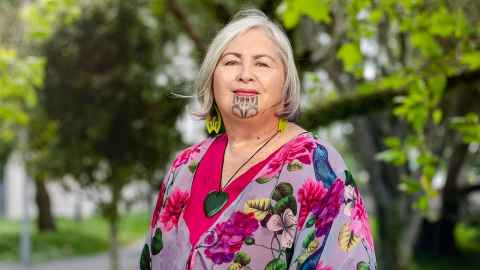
point(249, 77)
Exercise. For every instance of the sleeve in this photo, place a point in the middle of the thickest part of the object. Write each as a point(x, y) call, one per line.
point(333, 231)
point(150, 242)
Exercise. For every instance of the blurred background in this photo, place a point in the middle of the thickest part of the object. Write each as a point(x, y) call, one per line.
point(90, 117)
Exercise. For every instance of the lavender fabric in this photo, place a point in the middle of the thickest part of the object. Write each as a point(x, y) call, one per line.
point(303, 211)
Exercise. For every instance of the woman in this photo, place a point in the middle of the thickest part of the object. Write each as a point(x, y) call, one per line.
point(264, 194)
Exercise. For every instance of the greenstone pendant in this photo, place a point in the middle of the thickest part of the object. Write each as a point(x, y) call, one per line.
point(214, 202)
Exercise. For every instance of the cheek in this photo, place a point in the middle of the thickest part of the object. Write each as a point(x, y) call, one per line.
point(275, 87)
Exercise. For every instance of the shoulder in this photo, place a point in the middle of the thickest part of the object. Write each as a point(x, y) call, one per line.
point(327, 164)
point(190, 153)
point(333, 156)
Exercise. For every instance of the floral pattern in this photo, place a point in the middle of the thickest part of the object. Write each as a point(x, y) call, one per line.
point(158, 206)
point(299, 149)
point(185, 156)
point(173, 209)
point(326, 209)
point(359, 224)
point(289, 219)
point(228, 237)
point(309, 194)
point(320, 266)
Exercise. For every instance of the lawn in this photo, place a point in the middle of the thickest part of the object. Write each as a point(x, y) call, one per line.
point(72, 238)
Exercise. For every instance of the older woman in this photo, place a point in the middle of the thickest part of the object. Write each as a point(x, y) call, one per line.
point(264, 194)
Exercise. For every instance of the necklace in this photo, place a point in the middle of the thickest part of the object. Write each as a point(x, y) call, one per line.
point(216, 199)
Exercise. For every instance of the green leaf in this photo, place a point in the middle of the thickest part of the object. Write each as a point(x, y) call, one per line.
point(263, 180)
point(310, 222)
point(249, 241)
point(281, 190)
point(468, 126)
point(242, 258)
point(349, 180)
point(157, 242)
point(437, 116)
point(471, 59)
point(295, 165)
point(286, 202)
point(276, 264)
point(260, 207)
point(363, 266)
point(145, 260)
point(427, 45)
point(421, 204)
point(293, 10)
point(410, 185)
point(309, 238)
point(350, 56)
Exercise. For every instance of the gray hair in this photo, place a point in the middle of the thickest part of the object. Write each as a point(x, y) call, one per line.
point(243, 21)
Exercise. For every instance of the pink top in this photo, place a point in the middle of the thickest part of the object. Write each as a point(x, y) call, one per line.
point(207, 179)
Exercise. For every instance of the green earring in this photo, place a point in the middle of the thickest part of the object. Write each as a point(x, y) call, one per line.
point(214, 123)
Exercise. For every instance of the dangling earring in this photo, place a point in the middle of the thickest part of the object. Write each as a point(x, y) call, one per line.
point(214, 123)
point(282, 125)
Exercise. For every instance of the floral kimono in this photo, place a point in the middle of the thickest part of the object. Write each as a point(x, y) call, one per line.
point(299, 209)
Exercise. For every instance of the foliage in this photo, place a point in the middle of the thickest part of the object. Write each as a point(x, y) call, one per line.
point(19, 76)
point(419, 44)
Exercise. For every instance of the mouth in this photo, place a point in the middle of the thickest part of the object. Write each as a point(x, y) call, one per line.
point(245, 92)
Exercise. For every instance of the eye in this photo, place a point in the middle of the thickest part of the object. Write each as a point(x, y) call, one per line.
point(230, 62)
point(262, 64)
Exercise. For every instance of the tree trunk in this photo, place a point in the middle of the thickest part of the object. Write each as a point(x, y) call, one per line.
point(45, 220)
point(114, 264)
point(398, 223)
point(112, 214)
point(438, 237)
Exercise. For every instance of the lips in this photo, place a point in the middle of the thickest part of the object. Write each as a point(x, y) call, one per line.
point(245, 92)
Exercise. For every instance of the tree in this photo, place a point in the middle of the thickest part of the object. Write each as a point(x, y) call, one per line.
point(426, 62)
point(114, 124)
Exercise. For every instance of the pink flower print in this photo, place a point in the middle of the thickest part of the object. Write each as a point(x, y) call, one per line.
point(158, 206)
point(327, 209)
point(359, 224)
point(320, 266)
point(299, 149)
point(227, 237)
point(173, 208)
point(284, 225)
point(311, 192)
point(186, 155)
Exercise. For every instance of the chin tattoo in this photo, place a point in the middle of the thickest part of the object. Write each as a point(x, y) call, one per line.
point(245, 106)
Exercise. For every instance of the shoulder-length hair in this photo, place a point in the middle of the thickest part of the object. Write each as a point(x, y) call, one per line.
point(243, 21)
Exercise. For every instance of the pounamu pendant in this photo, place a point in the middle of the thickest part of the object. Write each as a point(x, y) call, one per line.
point(214, 202)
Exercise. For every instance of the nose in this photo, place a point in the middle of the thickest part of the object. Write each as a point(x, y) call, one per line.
point(245, 74)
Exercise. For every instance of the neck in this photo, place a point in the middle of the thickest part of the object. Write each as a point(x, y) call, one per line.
point(250, 131)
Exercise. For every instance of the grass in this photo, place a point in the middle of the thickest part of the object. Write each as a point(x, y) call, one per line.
point(72, 238)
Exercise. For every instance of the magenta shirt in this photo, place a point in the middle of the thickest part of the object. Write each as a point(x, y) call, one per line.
point(210, 167)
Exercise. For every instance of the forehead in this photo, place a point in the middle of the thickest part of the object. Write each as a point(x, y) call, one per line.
point(253, 42)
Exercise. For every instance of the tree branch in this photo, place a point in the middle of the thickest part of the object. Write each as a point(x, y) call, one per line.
point(466, 191)
point(186, 25)
point(355, 104)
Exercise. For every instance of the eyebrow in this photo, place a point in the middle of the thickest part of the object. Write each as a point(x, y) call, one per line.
point(254, 57)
